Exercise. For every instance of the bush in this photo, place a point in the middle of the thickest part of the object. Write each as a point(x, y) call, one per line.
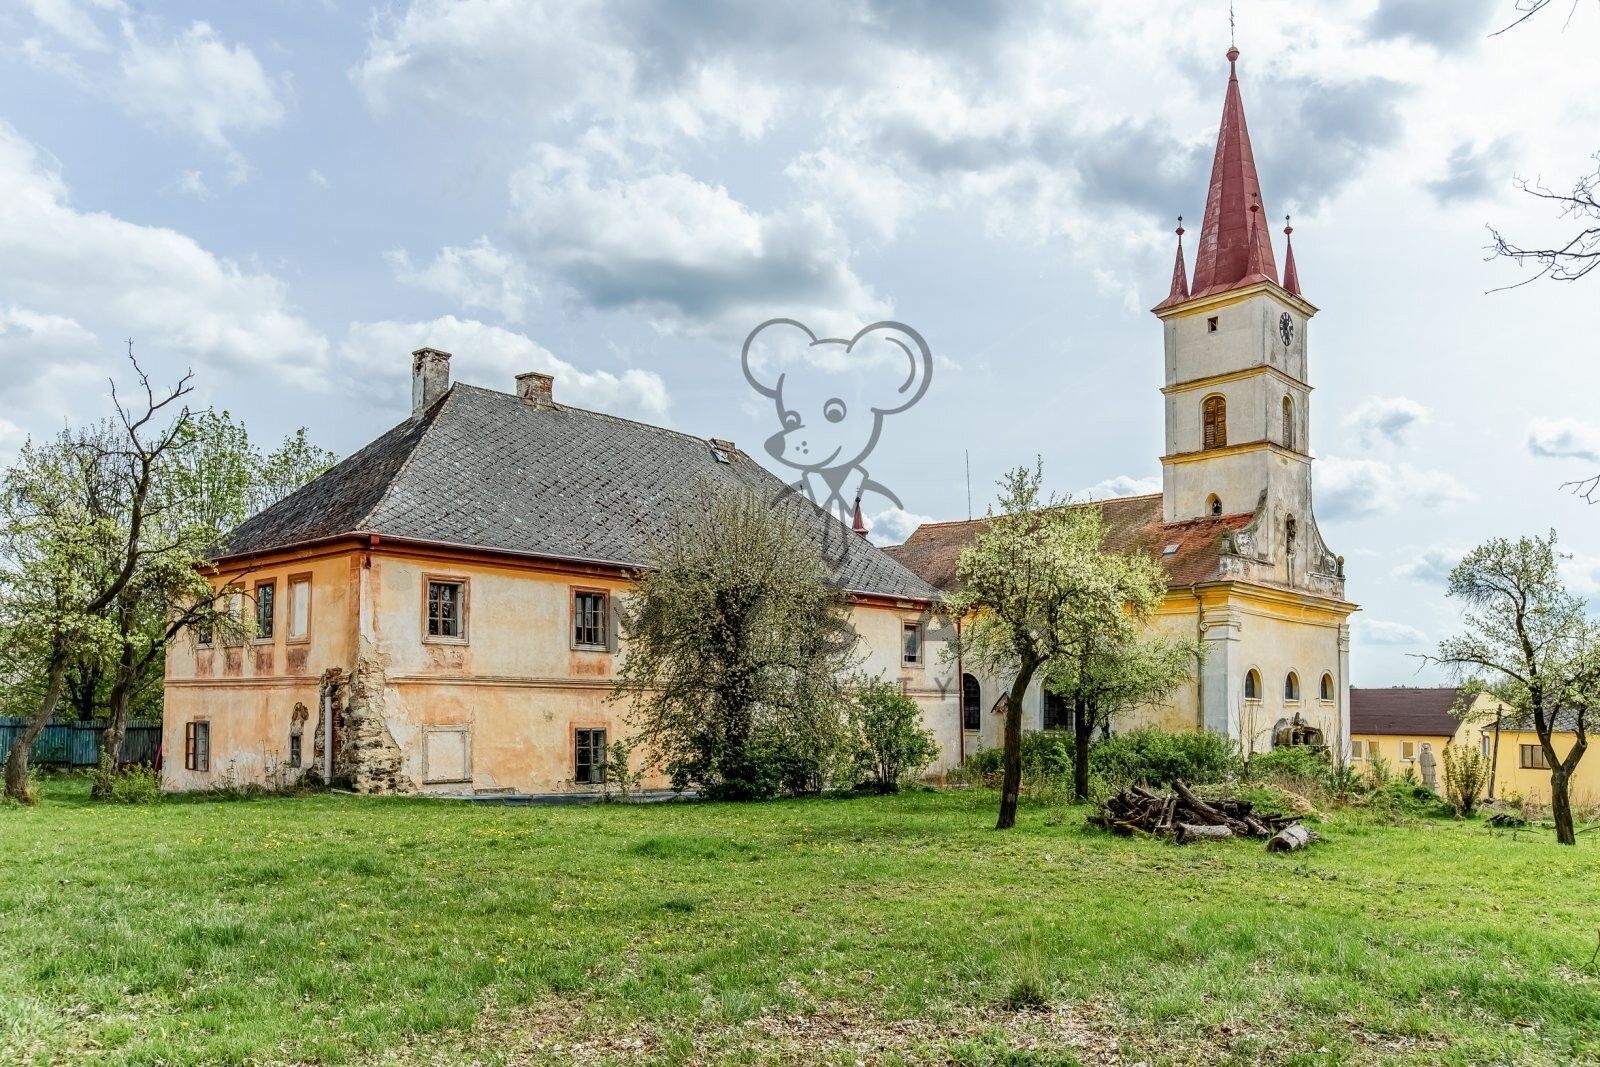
point(139, 784)
point(1466, 774)
point(1155, 757)
point(893, 746)
point(1295, 765)
point(1046, 757)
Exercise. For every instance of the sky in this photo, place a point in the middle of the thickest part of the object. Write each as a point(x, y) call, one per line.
point(288, 197)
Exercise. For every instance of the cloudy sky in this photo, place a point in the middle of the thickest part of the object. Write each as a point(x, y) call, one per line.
point(289, 196)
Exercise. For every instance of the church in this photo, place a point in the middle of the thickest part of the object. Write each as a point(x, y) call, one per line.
point(1248, 573)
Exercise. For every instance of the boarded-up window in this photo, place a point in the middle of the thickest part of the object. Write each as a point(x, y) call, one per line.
point(447, 609)
point(1214, 415)
point(1533, 758)
point(589, 756)
point(1288, 423)
point(446, 753)
point(197, 746)
point(299, 608)
point(589, 620)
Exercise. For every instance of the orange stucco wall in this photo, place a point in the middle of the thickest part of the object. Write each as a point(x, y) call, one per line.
point(516, 686)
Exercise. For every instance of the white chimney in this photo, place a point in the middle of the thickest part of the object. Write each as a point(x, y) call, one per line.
point(430, 377)
point(537, 387)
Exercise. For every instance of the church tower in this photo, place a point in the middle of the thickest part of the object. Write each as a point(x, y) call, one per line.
point(1237, 394)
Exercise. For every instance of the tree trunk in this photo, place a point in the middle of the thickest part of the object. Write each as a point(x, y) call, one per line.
point(1011, 781)
point(116, 726)
point(1081, 729)
point(1561, 806)
point(1188, 831)
point(1289, 839)
point(17, 761)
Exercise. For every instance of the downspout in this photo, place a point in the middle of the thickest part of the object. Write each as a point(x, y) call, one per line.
point(1199, 637)
point(327, 735)
point(961, 702)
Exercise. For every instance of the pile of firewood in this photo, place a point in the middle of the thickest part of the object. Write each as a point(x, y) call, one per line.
point(1184, 816)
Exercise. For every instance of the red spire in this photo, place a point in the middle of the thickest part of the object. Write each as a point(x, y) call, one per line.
point(1233, 250)
point(858, 524)
point(1180, 279)
point(1291, 277)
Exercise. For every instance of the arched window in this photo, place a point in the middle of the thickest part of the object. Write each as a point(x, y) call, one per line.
point(1214, 414)
point(971, 703)
point(1326, 689)
point(1288, 423)
point(1213, 505)
point(1252, 685)
point(1291, 686)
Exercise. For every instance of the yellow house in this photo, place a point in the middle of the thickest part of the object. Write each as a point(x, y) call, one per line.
point(438, 613)
point(1394, 724)
point(1234, 528)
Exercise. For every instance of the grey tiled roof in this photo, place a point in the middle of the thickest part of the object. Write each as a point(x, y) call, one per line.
point(483, 469)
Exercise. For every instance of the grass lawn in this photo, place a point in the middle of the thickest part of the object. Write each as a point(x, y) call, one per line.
point(904, 929)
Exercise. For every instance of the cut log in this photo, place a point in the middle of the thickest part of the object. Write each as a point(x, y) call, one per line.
point(1289, 838)
point(1188, 831)
point(1205, 811)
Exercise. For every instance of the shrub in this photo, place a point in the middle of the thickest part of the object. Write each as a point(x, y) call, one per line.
point(1155, 757)
point(1466, 773)
point(1295, 765)
point(892, 744)
point(1046, 758)
point(139, 784)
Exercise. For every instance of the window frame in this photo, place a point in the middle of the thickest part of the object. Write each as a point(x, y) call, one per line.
point(296, 751)
point(1327, 692)
point(1355, 748)
point(1289, 423)
point(271, 634)
point(604, 644)
point(1063, 718)
point(920, 630)
point(464, 611)
point(1252, 680)
point(1291, 688)
point(197, 746)
point(971, 724)
point(1213, 422)
point(1532, 758)
point(596, 770)
point(1406, 746)
point(289, 636)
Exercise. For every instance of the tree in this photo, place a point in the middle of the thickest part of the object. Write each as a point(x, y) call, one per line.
point(1110, 667)
point(736, 641)
point(1540, 650)
point(892, 744)
point(1028, 586)
point(73, 537)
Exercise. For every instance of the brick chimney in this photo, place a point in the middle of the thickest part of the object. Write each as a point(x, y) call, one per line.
point(537, 387)
point(430, 377)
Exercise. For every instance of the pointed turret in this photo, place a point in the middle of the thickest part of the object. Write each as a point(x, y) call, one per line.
point(1291, 277)
point(1180, 278)
point(858, 524)
point(1235, 249)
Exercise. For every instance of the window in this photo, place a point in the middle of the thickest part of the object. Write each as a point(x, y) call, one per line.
point(1533, 758)
point(1288, 423)
point(299, 609)
point(1211, 324)
point(588, 756)
point(1408, 750)
point(1213, 504)
point(1483, 745)
point(1355, 749)
point(204, 627)
point(1373, 751)
point(1214, 416)
point(294, 750)
point(1054, 713)
point(266, 609)
point(589, 620)
point(1291, 687)
point(971, 703)
point(1252, 685)
point(447, 610)
point(446, 754)
point(197, 746)
point(912, 653)
point(1325, 690)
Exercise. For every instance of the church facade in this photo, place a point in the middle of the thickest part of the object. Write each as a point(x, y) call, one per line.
point(1248, 572)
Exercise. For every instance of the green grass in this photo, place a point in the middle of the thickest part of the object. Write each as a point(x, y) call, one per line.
point(899, 929)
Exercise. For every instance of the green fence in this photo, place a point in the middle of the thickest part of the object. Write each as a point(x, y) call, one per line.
point(77, 744)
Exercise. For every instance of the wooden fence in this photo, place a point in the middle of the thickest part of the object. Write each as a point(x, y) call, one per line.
point(77, 744)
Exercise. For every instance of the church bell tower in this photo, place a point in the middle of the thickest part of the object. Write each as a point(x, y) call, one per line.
point(1237, 393)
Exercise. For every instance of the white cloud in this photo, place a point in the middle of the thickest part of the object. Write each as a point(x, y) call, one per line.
point(1358, 488)
point(11, 438)
point(1382, 632)
point(115, 279)
point(893, 525)
point(1121, 485)
point(1433, 564)
point(478, 276)
point(375, 360)
point(193, 183)
point(1386, 419)
point(685, 253)
point(1564, 438)
point(317, 178)
point(73, 21)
